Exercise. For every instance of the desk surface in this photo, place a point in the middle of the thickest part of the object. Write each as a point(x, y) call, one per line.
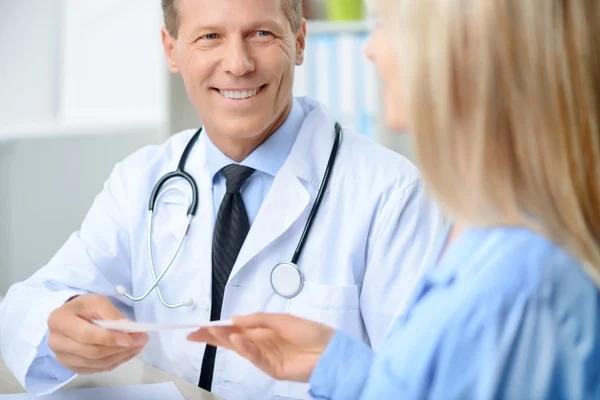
point(134, 372)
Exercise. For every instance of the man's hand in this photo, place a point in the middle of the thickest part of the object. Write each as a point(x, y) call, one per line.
point(82, 346)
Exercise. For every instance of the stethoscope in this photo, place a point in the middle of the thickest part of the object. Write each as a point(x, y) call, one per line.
point(286, 278)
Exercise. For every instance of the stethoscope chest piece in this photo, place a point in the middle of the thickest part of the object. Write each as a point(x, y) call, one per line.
point(287, 280)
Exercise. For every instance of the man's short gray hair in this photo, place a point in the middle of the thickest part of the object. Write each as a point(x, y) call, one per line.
point(292, 9)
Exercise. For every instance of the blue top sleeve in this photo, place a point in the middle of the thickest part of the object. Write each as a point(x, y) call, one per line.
point(342, 370)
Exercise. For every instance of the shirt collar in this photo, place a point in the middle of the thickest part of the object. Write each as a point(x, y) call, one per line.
point(471, 249)
point(270, 156)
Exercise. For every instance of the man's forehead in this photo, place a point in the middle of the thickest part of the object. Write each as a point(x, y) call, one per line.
point(274, 5)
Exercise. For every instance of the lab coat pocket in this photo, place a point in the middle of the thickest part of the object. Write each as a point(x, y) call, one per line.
point(335, 305)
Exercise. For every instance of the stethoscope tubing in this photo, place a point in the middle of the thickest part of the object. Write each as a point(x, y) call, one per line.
point(320, 194)
point(193, 207)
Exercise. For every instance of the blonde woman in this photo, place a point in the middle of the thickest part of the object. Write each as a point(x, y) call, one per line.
point(503, 97)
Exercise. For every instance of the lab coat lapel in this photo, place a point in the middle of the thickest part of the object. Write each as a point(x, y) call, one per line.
point(200, 238)
point(290, 196)
point(284, 204)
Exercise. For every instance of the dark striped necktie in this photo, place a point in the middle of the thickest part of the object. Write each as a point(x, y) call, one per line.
point(231, 229)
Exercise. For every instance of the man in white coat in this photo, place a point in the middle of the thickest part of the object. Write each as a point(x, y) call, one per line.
point(258, 164)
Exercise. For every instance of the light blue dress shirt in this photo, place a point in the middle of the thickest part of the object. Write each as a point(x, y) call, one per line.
point(267, 159)
point(506, 314)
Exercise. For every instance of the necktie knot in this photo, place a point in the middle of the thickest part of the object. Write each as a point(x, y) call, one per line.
point(235, 176)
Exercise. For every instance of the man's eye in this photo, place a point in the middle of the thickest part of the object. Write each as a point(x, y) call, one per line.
point(209, 36)
point(263, 33)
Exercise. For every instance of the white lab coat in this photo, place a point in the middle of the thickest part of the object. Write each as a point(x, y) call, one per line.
point(372, 236)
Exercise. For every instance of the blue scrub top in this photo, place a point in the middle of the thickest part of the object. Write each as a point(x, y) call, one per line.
point(505, 314)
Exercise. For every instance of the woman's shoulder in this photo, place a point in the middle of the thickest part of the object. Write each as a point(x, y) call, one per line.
point(493, 278)
point(523, 264)
point(524, 289)
point(504, 306)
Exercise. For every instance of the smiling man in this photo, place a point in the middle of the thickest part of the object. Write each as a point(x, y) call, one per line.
point(257, 166)
point(237, 60)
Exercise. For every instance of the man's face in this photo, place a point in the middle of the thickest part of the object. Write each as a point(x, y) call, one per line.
point(237, 60)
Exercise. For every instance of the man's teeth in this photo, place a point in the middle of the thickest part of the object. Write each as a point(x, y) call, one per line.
point(239, 94)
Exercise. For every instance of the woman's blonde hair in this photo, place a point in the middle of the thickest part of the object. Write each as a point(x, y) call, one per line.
point(504, 100)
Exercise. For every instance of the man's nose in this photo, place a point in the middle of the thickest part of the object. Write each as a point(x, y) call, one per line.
point(238, 60)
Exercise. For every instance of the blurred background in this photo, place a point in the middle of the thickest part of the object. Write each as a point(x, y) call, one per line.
point(83, 83)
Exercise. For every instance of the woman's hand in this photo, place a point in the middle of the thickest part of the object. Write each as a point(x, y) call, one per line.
point(285, 347)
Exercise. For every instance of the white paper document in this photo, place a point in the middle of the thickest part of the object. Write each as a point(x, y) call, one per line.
point(157, 391)
point(125, 325)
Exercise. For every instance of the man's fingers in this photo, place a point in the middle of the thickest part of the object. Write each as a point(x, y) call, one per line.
point(82, 331)
point(129, 357)
point(89, 333)
point(75, 362)
point(96, 307)
point(64, 344)
point(103, 310)
point(85, 347)
point(126, 358)
point(72, 320)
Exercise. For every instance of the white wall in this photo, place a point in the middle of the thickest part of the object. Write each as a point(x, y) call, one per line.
point(47, 187)
point(113, 61)
point(80, 61)
point(5, 228)
point(79, 90)
point(29, 60)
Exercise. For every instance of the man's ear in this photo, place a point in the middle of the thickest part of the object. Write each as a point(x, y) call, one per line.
point(301, 43)
point(170, 48)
